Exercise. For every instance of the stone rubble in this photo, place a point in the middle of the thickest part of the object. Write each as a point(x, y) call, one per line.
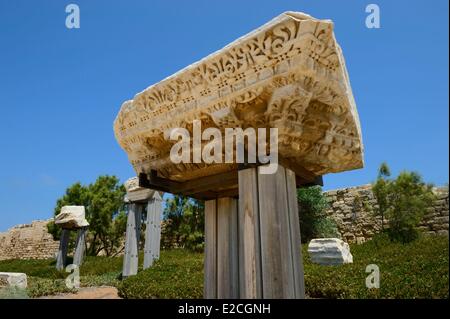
point(71, 217)
point(329, 251)
point(13, 280)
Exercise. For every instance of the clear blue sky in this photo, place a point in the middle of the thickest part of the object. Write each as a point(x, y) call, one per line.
point(61, 89)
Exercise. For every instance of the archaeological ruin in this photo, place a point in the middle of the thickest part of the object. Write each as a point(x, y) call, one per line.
point(288, 74)
point(137, 200)
point(28, 241)
point(71, 218)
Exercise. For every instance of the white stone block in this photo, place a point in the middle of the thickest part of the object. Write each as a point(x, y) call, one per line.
point(135, 193)
point(13, 279)
point(329, 251)
point(71, 217)
point(288, 74)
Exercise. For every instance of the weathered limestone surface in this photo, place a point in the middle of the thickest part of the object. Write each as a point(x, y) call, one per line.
point(288, 74)
point(71, 217)
point(30, 241)
point(329, 251)
point(352, 208)
point(13, 279)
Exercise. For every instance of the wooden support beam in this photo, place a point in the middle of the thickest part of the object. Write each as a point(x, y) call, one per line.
point(227, 249)
point(197, 185)
point(271, 265)
point(210, 285)
point(153, 230)
point(219, 185)
point(294, 231)
point(221, 249)
point(212, 182)
point(80, 246)
point(62, 251)
point(130, 258)
point(249, 236)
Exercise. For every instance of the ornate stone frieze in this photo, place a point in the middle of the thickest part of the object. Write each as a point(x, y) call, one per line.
point(288, 74)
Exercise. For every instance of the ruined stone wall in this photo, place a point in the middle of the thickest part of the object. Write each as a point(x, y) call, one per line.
point(352, 209)
point(29, 241)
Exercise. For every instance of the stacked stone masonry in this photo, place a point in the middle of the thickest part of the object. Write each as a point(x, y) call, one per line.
point(352, 209)
point(30, 241)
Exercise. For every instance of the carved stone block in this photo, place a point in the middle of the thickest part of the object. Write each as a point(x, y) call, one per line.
point(288, 74)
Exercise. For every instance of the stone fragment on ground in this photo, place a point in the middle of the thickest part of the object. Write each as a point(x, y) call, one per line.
point(329, 251)
point(13, 280)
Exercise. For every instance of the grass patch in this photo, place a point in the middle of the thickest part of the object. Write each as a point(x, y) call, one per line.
point(415, 270)
point(45, 280)
point(177, 274)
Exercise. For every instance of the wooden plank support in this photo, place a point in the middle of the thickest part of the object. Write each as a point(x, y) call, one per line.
point(202, 188)
point(227, 249)
point(210, 280)
point(221, 249)
point(62, 251)
point(294, 231)
point(270, 250)
point(153, 230)
point(80, 246)
point(249, 236)
point(218, 185)
point(131, 256)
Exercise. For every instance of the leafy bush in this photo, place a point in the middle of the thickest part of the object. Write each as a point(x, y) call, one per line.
point(326, 228)
point(314, 222)
point(402, 201)
point(38, 287)
point(177, 274)
point(184, 223)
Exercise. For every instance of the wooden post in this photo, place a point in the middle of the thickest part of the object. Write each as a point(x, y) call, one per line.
point(153, 230)
point(131, 256)
point(210, 281)
point(269, 232)
point(79, 246)
point(221, 251)
point(249, 236)
point(62, 252)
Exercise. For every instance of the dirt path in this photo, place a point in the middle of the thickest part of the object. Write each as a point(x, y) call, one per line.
point(88, 293)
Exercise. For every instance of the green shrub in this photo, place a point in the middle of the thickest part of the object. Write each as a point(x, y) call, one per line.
point(184, 224)
point(38, 287)
point(314, 222)
point(178, 274)
point(402, 201)
point(326, 228)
